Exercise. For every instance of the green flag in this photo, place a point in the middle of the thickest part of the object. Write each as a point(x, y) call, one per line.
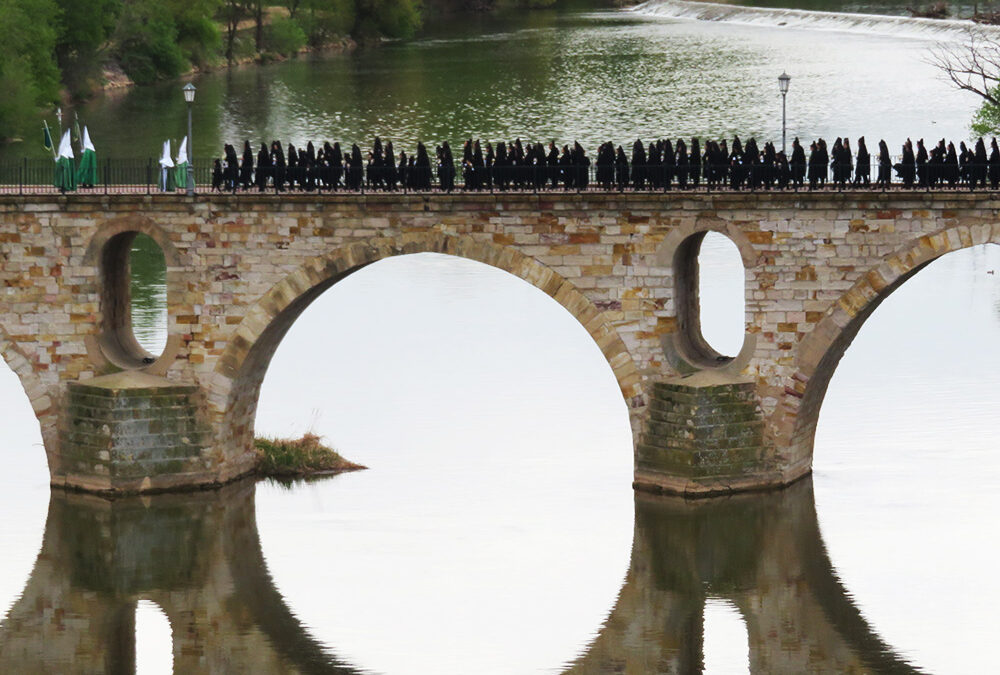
point(48, 139)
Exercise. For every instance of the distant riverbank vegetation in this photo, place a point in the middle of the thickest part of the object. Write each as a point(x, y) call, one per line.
point(306, 456)
point(52, 50)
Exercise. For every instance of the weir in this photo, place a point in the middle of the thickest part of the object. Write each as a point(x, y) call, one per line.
point(241, 269)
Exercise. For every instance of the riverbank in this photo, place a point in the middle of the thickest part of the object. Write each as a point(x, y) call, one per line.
point(306, 456)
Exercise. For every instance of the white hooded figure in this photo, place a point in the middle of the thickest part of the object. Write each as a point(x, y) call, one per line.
point(166, 165)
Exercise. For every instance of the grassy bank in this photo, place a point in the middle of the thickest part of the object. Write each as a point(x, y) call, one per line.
point(306, 456)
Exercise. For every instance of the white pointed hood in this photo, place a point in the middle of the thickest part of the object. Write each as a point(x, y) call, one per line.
point(87, 145)
point(182, 153)
point(66, 146)
point(165, 161)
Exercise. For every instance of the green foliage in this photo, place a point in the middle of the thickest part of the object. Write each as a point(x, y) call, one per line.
point(324, 20)
point(987, 119)
point(29, 76)
point(198, 34)
point(146, 40)
point(285, 37)
point(389, 18)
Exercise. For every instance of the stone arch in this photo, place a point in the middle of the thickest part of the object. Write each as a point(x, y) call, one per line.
point(237, 379)
point(115, 345)
point(819, 353)
point(685, 347)
point(39, 394)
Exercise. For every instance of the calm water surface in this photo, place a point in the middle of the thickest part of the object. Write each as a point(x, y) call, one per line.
point(496, 530)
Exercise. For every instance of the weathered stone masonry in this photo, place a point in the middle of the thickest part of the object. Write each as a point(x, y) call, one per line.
point(242, 268)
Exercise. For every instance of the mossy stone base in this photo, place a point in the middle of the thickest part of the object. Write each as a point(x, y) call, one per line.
point(132, 432)
point(703, 436)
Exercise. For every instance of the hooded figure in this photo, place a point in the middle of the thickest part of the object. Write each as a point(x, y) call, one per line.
point(994, 165)
point(86, 174)
point(167, 183)
point(863, 167)
point(263, 168)
point(246, 166)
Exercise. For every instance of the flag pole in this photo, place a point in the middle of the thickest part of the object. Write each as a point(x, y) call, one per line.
point(52, 143)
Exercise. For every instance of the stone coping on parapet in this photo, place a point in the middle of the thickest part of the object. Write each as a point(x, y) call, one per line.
point(682, 200)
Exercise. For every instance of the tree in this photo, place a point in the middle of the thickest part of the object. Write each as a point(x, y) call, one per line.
point(146, 42)
point(84, 27)
point(197, 31)
point(29, 76)
point(973, 65)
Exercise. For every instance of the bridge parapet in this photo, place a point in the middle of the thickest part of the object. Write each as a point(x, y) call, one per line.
point(241, 268)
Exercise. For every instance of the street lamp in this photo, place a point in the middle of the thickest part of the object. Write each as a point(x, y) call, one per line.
point(189, 90)
point(783, 80)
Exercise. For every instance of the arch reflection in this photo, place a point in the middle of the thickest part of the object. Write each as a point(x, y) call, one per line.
point(198, 557)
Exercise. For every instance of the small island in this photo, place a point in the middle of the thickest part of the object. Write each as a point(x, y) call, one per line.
point(306, 456)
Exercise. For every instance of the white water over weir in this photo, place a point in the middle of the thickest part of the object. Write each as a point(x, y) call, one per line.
point(872, 24)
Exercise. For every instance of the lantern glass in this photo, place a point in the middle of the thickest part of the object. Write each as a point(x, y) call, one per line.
point(783, 81)
point(188, 90)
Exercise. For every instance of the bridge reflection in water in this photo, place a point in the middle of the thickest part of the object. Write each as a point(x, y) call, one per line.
point(198, 557)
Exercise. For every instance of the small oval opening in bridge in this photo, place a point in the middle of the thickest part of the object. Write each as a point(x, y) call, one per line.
point(711, 305)
point(133, 300)
point(154, 642)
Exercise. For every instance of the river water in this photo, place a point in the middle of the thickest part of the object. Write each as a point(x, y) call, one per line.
point(495, 530)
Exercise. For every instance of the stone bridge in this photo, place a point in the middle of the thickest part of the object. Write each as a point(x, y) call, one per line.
point(198, 557)
point(241, 268)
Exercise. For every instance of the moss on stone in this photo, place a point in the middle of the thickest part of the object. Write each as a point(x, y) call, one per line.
point(306, 456)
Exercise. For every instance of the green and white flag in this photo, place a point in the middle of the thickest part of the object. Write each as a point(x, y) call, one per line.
point(86, 174)
point(167, 183)
point(47, 141)
point(65, 178)
point(180, 173)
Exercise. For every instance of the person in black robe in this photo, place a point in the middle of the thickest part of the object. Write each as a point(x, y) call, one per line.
point(921, 160)
point(218, 177)
point(552, 164)
point(336, 166)
point(736, 167)
point(681, 168)
point(951, 166)
point(638, 166)
point(980, 165)
point(884, 179)
point(566, 168)
point(798, 164)
point(694, 163)
point(751, 165)
point(389, 161)
point(621, 169)
point(231, 168)
point(863, 165)
point(263, 168)
point(402, 169)
point(292, 169)
point(422, 167)
point(490, 167)
point(540, 164)
point(278, 166)
point(907, 166)
point(768, 158)
point(654, 165)
point(582, 164)
point(479, 165)
point(814, 161)
point(246, 166)
point(782, 172)
point(993, 165)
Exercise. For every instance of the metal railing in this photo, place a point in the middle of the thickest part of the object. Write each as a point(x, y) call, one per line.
point(144, 176)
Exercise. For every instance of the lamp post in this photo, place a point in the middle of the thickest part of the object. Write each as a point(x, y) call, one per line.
point(783, 80)
point(59, 117)
point(189, 90)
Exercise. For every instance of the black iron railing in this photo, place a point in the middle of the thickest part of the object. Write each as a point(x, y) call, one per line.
point(145, 176)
